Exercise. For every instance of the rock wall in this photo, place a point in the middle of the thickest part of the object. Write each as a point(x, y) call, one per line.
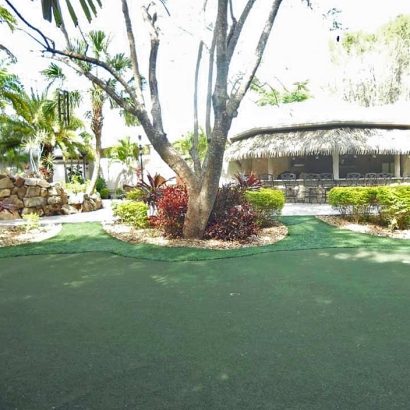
point(34, 195)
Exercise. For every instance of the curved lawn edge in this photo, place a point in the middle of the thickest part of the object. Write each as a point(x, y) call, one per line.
point(305, 232)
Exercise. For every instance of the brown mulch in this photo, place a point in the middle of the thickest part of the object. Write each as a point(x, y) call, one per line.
point(266, 236)
point(17, 235)
point(365, 227)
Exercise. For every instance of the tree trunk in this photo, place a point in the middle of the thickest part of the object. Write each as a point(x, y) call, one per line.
point(196, 219)
point(96, 169)
point(97, 123)
point(201, 197)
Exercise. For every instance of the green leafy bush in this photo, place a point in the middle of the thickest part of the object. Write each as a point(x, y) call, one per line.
point(100, 184)
point(75, 186)
point(104, 193)
point(32, 221)
point(268, 204)
point(395, 205)
point(132, 213)
point(135, 195)
point(355, 202)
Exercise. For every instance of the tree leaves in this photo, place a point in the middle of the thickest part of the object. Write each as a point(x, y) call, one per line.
point(52, 8)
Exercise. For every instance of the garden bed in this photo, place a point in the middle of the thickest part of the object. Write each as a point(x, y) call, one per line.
point(369, 228)
point(266, 236)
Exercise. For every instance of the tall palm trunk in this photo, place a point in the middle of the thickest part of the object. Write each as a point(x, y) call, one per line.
point(96, 126)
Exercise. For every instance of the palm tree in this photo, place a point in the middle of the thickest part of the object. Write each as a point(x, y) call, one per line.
point(11, 89)
point(7, 18)
point(52, 8)
point(35, 126)
point(99, 43)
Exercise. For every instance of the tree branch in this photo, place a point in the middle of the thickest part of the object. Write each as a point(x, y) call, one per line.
point(236, 99)
point(237, 28)
point(220, 95)
point(19, 15)
point(194, 149)
point(208, 128)
point(152, 71)
point(133, 51)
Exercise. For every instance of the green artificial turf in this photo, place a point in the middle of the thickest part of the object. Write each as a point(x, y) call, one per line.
point(305, 232)
point(312, 329)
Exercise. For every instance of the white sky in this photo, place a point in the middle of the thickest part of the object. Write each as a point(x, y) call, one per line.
point(296, 51)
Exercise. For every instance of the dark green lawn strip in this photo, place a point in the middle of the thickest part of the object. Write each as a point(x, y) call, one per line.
point(322, 329)
point(304, 233)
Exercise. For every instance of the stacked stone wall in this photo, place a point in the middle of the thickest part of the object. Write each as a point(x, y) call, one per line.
point(35, 195)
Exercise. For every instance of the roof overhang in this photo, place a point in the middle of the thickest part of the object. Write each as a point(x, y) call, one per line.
point(329, 137)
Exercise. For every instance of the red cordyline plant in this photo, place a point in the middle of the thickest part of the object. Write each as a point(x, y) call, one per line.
point(172, 208)
point(6, 207)
point(248, 182)
point(153, 189)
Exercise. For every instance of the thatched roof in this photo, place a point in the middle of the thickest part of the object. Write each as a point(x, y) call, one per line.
point(343, 137)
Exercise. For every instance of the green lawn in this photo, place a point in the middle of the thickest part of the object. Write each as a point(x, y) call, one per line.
point(281, 329)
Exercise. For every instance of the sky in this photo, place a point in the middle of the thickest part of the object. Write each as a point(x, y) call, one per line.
point(297, 49)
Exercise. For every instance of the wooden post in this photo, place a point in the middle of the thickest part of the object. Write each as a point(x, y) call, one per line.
point(335, 161)
point(397, 170)
point(270, 166)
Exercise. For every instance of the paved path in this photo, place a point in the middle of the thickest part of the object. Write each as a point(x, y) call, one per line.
point(105, 214)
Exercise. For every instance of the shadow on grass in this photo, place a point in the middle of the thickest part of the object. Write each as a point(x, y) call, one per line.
point(304, 233)
point(325, 327)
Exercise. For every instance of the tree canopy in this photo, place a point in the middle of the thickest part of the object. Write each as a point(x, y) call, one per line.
point(374, 68)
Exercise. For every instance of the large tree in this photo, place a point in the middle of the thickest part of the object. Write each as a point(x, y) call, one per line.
point(202, 180)
point(373, 68)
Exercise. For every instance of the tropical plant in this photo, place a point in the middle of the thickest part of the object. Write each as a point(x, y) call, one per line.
point(153, 189)
point(271, 96)
point(52, 8)
point(37, 128)
point(7, 18)
point(248, 182)
point(5, 206)
point(232, 218)
point(172, 208)
point(11, 89)
point(99, 43)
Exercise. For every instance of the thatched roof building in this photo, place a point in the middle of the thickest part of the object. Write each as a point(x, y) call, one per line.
point(326, 138)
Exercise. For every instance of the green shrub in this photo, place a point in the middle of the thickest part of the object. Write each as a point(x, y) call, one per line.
point(135, 195)
point(395, 205)
point(100, 184)
point(32, 221)
point(132, 213)
point(75, 186)
point(268, 203)
point(105, 193)
point(356, 202)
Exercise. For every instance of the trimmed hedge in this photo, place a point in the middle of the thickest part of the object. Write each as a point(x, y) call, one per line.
point(268, 203)
point(391, 204)
point(356, 202)
point(132, 213)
